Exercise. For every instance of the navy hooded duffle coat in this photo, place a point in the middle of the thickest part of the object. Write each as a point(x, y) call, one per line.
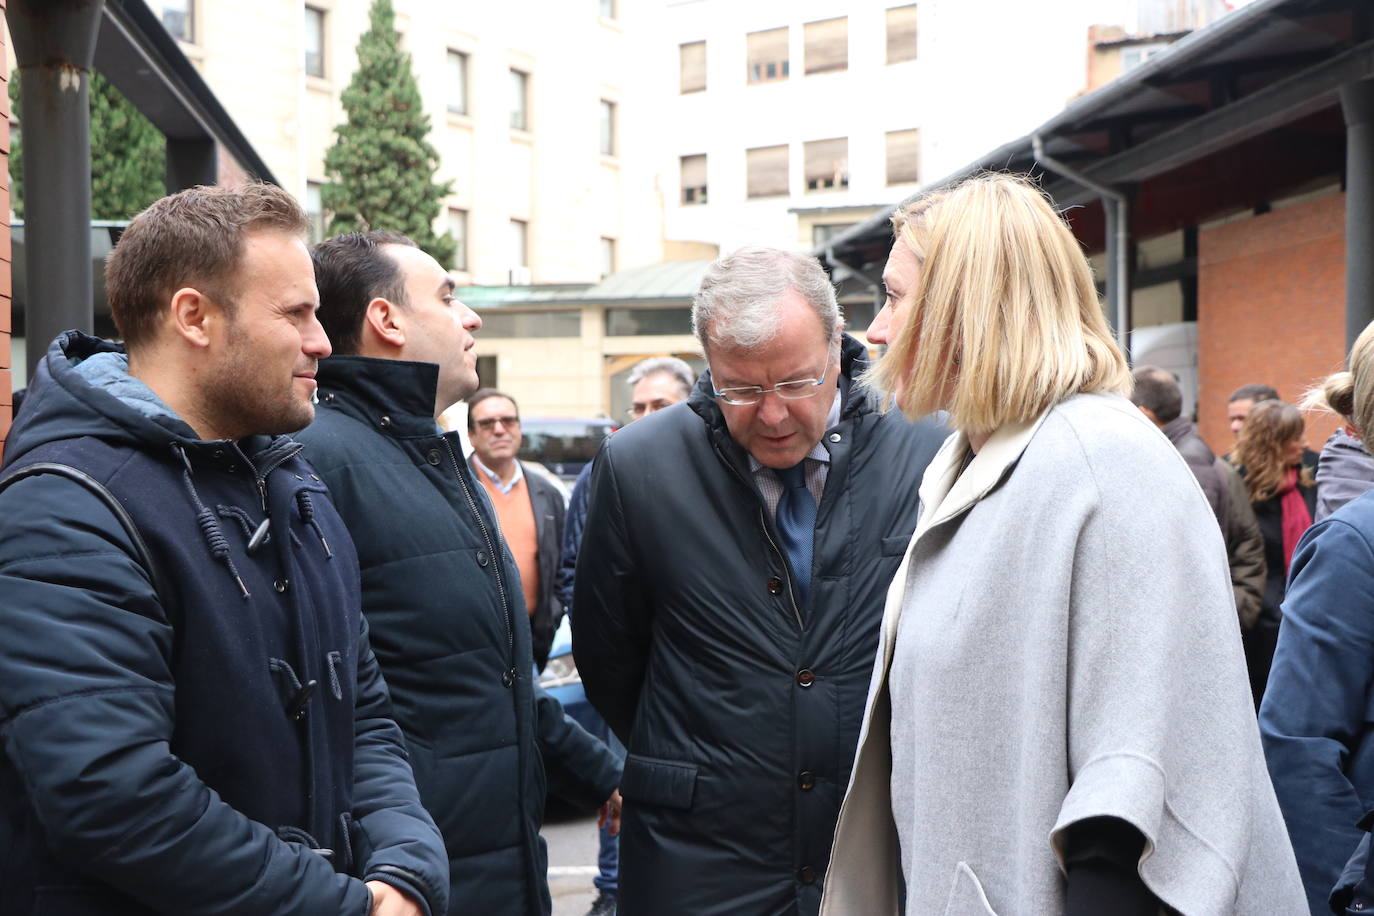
point(220, 743)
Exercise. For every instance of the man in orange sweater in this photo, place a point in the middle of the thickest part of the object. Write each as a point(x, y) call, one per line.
point(529, 509)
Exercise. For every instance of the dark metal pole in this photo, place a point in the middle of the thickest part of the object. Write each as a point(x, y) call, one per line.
point(54, 44)
point(1357, 102)
point(191, 162)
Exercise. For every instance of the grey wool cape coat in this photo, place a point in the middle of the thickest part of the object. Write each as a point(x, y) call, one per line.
point(1060, 643)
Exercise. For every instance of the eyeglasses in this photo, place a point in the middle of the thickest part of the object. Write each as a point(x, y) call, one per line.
point(487, 424)
point(794, 390)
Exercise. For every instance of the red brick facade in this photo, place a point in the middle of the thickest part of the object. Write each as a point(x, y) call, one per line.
point(1271, 308)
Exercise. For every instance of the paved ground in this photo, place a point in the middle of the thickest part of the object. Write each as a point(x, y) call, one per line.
point(572, 862)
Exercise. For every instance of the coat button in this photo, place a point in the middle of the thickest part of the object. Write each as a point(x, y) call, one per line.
point(482, 558)
point(281, 585)
point(508, 677)
point(774, 585)
point(806, 875)
point(433, 457)
point(805, 678)
point(806, 780)
point(384, 422)
point(835, 437)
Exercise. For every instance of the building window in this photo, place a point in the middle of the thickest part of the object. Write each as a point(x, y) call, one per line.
point(314, 211)
point(901, 34)
point(607, 128)
point(767, 56)
point(827, 164)
point(766, 171)
point(903, 157)
point(458, 231)
point(314, 42)
point(179, 19)
point(824, 232)
point(457, 82)
point(827, 45)
point(607, 257)
point(694, 179)
point(519, 100)
point(648, 322)
point(607, 9)
point(531, 324)
point(692, 63)
point(519, 244)
point(486, 368)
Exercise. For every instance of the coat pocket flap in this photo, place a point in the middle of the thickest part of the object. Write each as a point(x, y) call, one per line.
point(895, 546)
point(653, 781)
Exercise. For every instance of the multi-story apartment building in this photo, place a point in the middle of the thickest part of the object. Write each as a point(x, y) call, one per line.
point(790, 120)
point(532, 106)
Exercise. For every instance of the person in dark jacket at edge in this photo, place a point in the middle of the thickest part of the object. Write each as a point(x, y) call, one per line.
point(1315, 723)
point(732, 574)
point(1159, 397)
point(655, 383)
point(440, 589)
point(193, 721)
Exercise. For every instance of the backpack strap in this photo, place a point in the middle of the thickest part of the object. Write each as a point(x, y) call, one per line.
point(89, 483)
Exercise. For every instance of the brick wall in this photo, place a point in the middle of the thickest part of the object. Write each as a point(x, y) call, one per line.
point(6, 377)
point(1271, 308)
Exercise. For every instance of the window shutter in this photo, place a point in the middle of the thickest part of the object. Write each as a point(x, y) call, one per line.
point(768, 56)
point(903, 157)
point(827, 45)
point(767, 171)
point(827, 164)
point(692, 59)
point(901, 34)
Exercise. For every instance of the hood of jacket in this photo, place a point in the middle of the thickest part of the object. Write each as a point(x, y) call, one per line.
point(83, 387)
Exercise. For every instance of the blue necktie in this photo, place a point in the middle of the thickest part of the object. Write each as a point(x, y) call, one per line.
point(797, 523)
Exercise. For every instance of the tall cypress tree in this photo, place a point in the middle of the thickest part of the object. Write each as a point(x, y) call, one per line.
point(128, 154)
point(382, 167)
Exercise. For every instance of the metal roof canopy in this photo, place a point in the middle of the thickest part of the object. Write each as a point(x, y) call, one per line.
point(147, 65)
point(1275, 64)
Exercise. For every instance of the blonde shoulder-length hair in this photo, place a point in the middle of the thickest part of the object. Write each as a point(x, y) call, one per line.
point(1004, 320)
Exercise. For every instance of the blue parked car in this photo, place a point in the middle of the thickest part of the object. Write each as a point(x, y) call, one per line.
point(560, 679)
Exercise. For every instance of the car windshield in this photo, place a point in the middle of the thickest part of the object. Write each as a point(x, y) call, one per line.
point(562, 441)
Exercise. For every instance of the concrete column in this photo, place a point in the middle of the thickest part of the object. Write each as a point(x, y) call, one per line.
point(54, 44)
point(1357, 103)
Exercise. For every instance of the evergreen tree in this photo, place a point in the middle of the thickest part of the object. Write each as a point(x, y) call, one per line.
point(382, 166)
point(128, 154)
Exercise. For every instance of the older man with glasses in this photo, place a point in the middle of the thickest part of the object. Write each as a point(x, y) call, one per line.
point(528, 507)
point(729, 588)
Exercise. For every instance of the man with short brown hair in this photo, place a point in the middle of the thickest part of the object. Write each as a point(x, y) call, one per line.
point(193, 720)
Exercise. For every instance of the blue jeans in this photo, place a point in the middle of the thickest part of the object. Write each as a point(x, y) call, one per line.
point(608, 856)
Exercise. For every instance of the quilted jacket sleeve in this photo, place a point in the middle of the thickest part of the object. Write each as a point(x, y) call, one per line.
point(86, 716)
point(407, 849)
point(611, 622)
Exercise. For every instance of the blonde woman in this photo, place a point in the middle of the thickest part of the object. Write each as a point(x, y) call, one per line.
point(1345, 469)
point(1059, 687)
point(1318, 737)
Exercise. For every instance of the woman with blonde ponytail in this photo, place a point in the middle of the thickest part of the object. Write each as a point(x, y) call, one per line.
point(1318, 733)
point(1345, 469)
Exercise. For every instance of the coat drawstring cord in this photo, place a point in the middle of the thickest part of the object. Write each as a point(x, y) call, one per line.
point(209, 525)
point(308, 513)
